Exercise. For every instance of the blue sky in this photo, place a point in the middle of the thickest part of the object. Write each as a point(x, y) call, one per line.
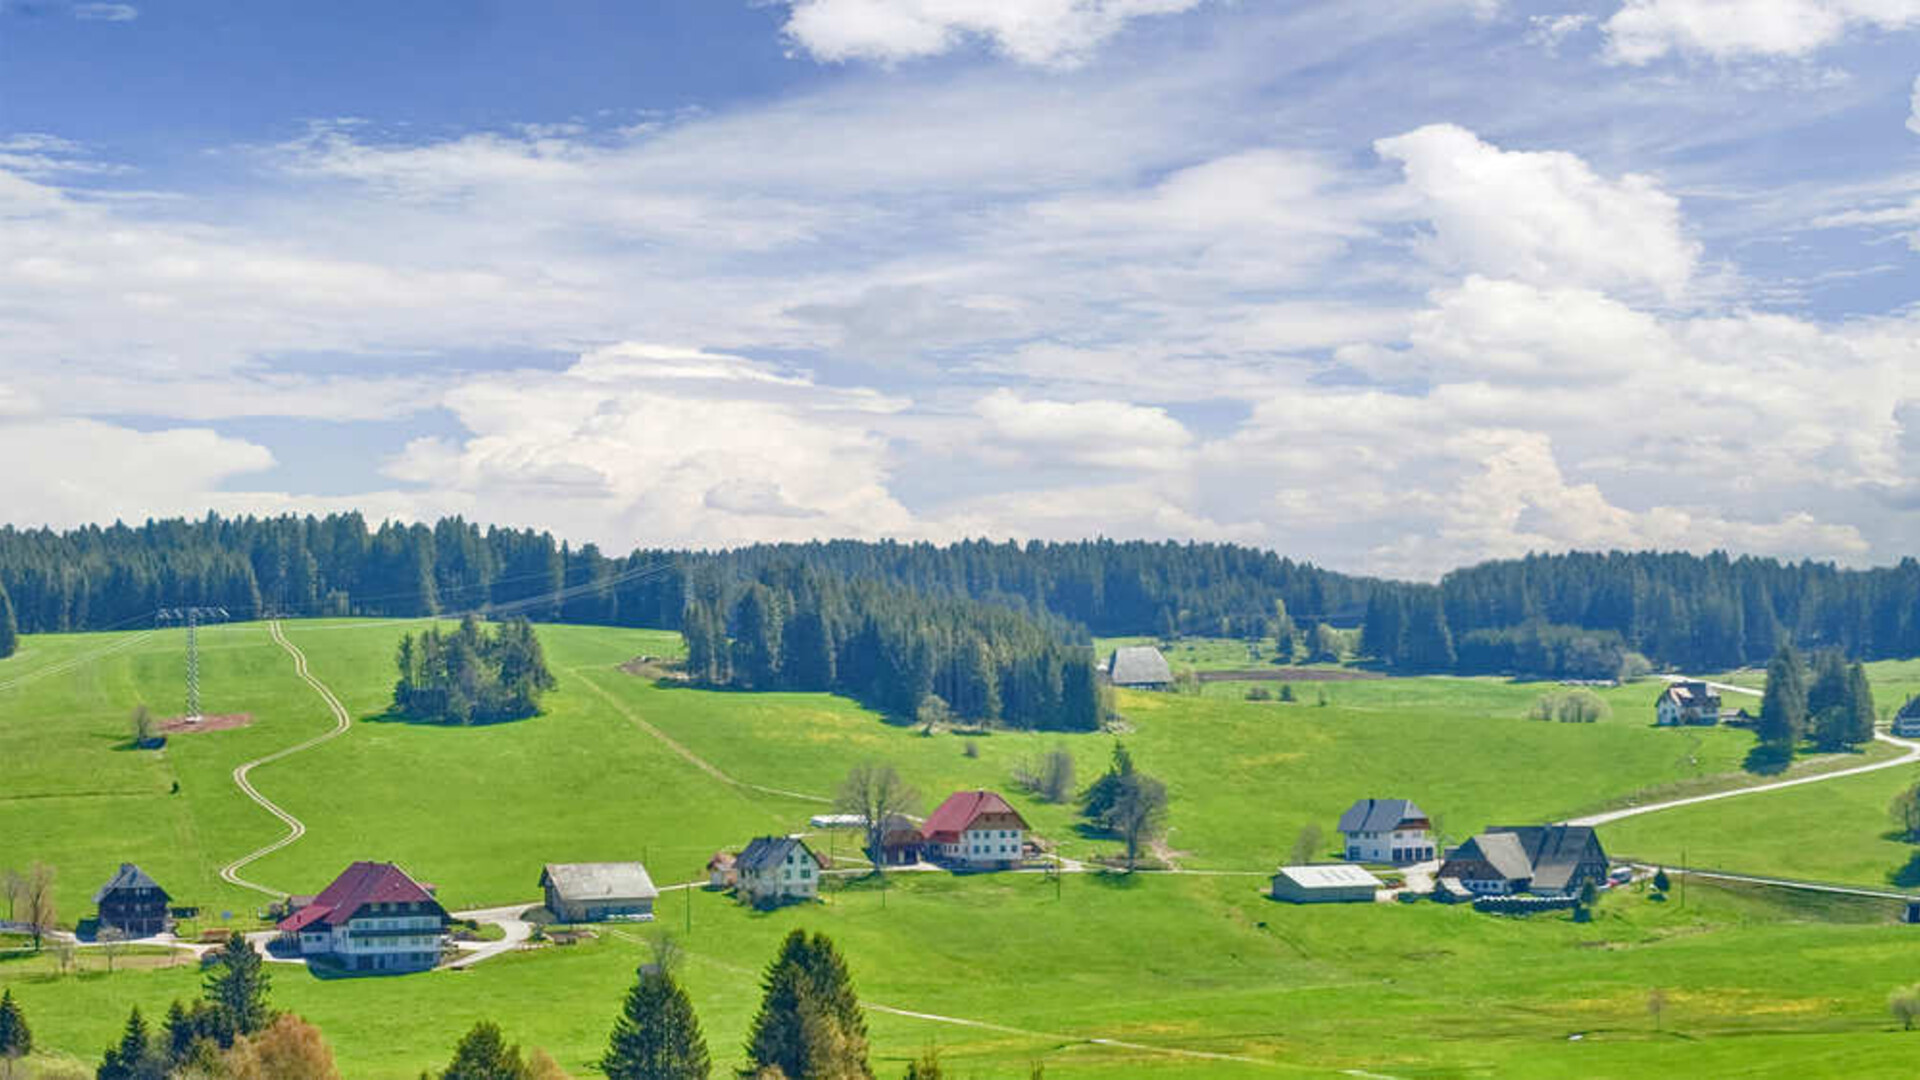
point(1391, 285)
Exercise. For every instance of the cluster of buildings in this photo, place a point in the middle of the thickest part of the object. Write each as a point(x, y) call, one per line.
point(1506, 860)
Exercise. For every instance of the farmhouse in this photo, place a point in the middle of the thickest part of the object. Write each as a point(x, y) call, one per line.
point(132, 903)
point(1547, 860)
point(901, 843)
point(595, 892)
point(1387, 831)
point(774, 869)
point(975, 829)
point(372, 918)
point(1906, 722)
point(1325, 884)
point(1687, 703)
point(1139, 667)
point(720, 871)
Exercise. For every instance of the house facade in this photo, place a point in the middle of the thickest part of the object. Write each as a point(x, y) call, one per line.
point(596, 892)
point(777, 869)
point(133, 904)
point(1393, 831)
point(901, 842)
point(1545, 860)
point(1906, 722)
point(373, 917)
point(1687, 703)
point(720, 871)
point(976, 830)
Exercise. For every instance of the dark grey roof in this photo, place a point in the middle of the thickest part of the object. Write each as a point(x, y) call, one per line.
point(599, 881)
point(128, 876)
point(767, 852)
point(1554, 851)
point(1696, 693)
point(1138, 665)
point(1378, 815)
point(1505, 854)
point(1911, 710)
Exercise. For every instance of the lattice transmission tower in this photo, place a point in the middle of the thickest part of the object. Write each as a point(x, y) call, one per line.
point(192, 617)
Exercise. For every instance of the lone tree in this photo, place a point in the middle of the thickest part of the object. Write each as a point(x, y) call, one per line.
point(657, 1036)
point(1660, 881)
point(1127, 804)
point(142, 726)
point(874, 792)
point(16, 1040)
point(483, 1054)
point(36, 901)
point(809, 1023)
point(1307, 844)
point(237, 985)
point(1906, 811)
point(1783, 708)
point(1904, 1003)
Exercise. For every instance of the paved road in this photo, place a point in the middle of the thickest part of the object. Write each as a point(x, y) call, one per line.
point(295, 827)
point(1789, 883)
point(507, 918)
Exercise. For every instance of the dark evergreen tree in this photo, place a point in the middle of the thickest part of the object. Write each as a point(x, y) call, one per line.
point(16, 1039)
point(1104, 793)
point(472, 675)
point(134, 1057)
point(1783, 708)
point(809, 1025)
point(483, 1054)
point(237, 985)
point(756, 638)
point(9, 627)
point(657, 1036)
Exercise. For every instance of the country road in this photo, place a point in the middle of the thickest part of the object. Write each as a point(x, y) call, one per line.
point(241, 773)
point(1911, 756)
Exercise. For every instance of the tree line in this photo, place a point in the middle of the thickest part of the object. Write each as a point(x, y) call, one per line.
point(472, 675)
point(1571, 615)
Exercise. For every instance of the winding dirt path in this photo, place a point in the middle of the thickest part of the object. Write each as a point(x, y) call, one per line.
point(241, 773)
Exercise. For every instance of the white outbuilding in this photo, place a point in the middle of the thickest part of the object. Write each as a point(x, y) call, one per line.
point(1336, 883)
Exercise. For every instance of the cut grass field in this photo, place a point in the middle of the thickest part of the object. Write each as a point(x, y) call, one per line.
point(1180, 963)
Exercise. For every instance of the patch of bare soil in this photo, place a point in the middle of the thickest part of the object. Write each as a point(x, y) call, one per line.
point(180, 725)
point(1288, 674)
point(650, 667)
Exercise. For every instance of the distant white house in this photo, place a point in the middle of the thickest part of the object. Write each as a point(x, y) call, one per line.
point(1334, 884)
point(775, 869)
point(1687, 703)
point(975, 829)
point(1387, 831)
point(1139, 667)
point(1906, 723)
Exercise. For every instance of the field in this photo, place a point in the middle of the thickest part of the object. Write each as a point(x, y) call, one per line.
point(622, 767)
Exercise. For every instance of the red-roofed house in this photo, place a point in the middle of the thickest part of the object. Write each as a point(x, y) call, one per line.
point(977, 829)
point(372, 918)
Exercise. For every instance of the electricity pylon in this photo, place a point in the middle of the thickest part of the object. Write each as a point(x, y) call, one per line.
point(192, 616)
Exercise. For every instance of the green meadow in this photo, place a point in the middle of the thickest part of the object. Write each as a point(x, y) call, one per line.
point(621, 766)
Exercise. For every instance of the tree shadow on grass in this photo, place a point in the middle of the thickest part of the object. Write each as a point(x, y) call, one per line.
point(1908, 876)
point(391, 717)
point(1766, 759)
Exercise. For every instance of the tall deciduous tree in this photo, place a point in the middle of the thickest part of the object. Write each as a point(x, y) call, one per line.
point(809, 1026)
point(874, 791)
point(290, 1048)
point(36, 902)
point(657, 1036)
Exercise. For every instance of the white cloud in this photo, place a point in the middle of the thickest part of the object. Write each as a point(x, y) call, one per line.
point(1646, 30)
point(1544, 217)
point(1054, 33)
point(106, 12)
point(85, 471)
point(1913, 109)
point(1549, 31)
point(1110, 434)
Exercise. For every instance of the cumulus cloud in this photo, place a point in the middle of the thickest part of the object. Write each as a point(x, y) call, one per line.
point(1543, 217)
point(89, 471)
point(1111, 434)
point(1646, 30)
point(1053, 33)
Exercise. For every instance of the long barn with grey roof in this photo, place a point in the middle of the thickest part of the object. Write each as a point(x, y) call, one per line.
point(1547, 860)
point(597, 891)
point(1139, 667)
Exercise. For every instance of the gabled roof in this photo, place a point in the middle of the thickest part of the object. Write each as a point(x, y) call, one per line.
point(1379, 815)
point(360, 884)
point(722, 860)
point(128, 876)
point(1690, 693)
point(958, 813)
point(1138, 665)
point(1500, 850)
point(599, 881)
point(1554, 850)
point(767, 852)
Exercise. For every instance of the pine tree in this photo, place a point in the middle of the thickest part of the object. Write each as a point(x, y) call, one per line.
point(810, 1026)
point(237, 985)
point(1783, 708)
point(9, 629)
point(134, 1057)
point(657, 1036)
point(16, 1039)
point(483, 1054)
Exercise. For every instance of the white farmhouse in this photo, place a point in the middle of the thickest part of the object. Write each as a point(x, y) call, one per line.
point(975, 829)
point(775, 869)
point(1687, 703)
point(372, 918)
point(1386, 831)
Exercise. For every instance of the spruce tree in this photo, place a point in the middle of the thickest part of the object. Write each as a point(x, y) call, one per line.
point(483, 1054)
point(9, 629)
point(134, 1057)
point(1783, 709)
point(237, 985)
point(1859, 705)
point(657, 1036)
point(16, 1040)
point(809, 1026)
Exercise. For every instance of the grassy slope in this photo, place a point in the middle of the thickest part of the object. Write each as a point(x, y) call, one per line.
point(1406, 989)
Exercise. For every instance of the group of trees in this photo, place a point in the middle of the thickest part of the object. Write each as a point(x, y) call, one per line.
point(230, 1031)
point(911, 654)
point(1570, 707)
point(29, 897)
point(1571, 615)
point(1126, 803)
point(1829, 703)
point(472, 675)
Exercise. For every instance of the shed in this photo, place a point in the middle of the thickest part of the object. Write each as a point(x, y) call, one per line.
point(1141, 667)
point(593, 892)
point(1332, 884)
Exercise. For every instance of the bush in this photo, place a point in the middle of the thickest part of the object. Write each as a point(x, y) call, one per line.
point(1259, 693)
point(1904, 1003)
point(972, 749)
